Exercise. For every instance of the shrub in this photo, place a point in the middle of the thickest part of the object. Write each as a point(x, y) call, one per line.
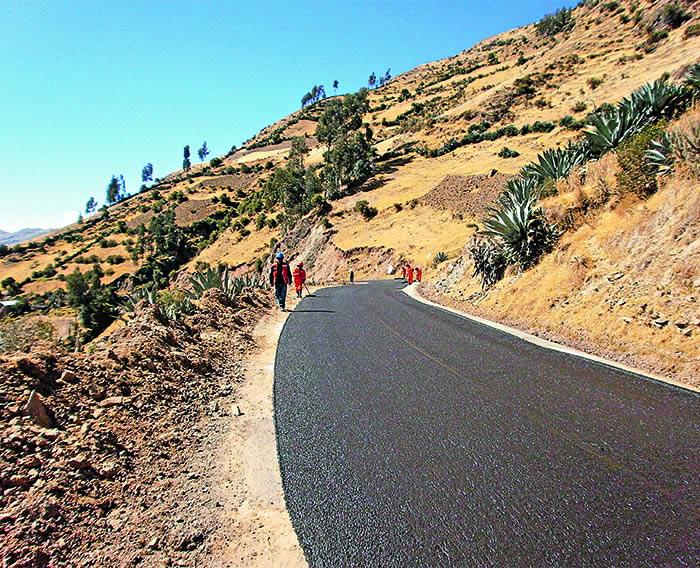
point(635, 176)
point(594, 82)
point(654, 37)
point(552, 24)
point(489, 259)
point(660, 156)
point(692, 31)
point(108, 243)
point(439, 258)
point(506, 152)
point(115, 259)
point(579, 106)
point(365, 209)
point(675, 15)
point(398, 207)
point(216, 162)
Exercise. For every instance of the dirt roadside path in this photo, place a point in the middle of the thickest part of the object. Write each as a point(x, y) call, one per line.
point(254, 529)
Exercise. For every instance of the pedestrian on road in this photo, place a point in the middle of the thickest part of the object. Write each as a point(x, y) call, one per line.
point(299, 278)
point(280, 278)
point(352, 277)
point(419, 274)
point(403, 272)
point(409, 274)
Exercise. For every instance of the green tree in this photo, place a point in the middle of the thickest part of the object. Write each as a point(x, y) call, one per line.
point(10, 286)
point(90, 206)
point(97, 304)
point(186, 158)
point(348, 158)
point(335, 86)
point(372, 80)
point(147, 173)
point(203, 152)
point(116, 190)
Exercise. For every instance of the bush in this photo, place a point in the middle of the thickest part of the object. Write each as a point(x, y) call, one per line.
point(108, 243)
point(490, 261)
point(439, 257)
point(506, 152)
point(216, 162)
point(115, 259)
point(552, 24)
point(675, 15)
point(579, 106)
point(653, 38)
point(692, 31)
point(365, 209)
point(398, 207)
point(594, 82)
point(635, 176)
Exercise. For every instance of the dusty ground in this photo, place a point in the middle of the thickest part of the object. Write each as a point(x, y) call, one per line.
point(254, 527)
point(124, 466)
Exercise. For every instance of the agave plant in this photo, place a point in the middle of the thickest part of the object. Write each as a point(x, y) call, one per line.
point(692, 79)
point(556, 163)
point(660, 156)
point(490, 260)
point(133, 298)
point(518, 190)
point(439, 258)
point(523, 231)
point(656, 100)
point(220, 279)
point(608, 130)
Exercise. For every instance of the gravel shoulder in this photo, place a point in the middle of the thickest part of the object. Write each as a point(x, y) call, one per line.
point(254, 528)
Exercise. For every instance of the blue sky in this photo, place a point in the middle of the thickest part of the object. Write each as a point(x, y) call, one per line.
point(91, 89)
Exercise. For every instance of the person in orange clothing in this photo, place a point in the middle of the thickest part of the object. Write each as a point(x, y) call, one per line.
point(409, 274)
point(419, 274)
point(299, 278)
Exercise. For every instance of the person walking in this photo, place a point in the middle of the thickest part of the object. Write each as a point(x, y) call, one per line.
point(403, 272)
point(409, 274)
point(280, 278)
point(352, 277)
point(299, 278)
point(419, 274)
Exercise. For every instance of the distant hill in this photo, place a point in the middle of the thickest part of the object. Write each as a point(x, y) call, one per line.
point(20, 236)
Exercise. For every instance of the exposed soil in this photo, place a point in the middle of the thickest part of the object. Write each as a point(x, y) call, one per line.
point(116, 460)
point(469, 195)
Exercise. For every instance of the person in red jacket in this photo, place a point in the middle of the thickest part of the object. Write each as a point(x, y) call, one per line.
point(409, 274)
point(280, 278)
point(419, 274)
point(299, 278)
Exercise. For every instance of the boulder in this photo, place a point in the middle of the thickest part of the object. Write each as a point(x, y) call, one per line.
point(36, 410)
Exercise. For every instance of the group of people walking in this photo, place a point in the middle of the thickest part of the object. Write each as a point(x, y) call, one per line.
point(281, 276)
point(411, 273)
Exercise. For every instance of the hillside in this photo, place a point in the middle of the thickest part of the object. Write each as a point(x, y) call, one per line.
point(445, 136)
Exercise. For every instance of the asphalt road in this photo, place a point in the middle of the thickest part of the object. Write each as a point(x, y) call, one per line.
point(409, 436)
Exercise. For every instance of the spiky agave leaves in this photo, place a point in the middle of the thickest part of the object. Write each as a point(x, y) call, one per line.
point(556, 163)
point(489, 258)
point(648, 104)
point(523, 232)
point(518, 190)
point(223, 280)
point(692, 79)
point(660, 156)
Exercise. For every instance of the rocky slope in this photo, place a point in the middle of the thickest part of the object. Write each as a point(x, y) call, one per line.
point(105, 455)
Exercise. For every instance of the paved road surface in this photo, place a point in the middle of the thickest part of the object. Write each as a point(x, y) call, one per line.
point(409, 436)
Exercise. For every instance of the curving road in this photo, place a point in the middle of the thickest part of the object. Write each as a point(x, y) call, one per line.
point(409, 436)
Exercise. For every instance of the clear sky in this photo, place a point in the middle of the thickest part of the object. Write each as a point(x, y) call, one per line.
point(94, 88)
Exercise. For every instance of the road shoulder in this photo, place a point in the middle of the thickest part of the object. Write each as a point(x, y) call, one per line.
point(255, 528)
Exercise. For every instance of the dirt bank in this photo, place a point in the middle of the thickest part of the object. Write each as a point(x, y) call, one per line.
point(113, 458)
